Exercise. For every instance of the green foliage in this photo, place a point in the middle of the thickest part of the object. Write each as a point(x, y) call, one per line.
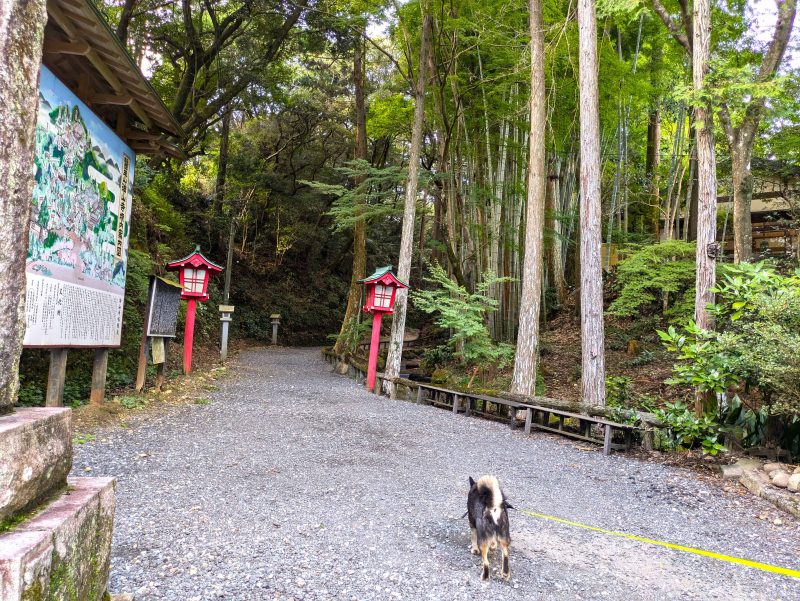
point(354, 332)
point(753, 355)
point(704, 359)
point(759, 310)
point(618, 391)
point(436, 357)
point(31, 393)
point(751, 424)
point(464, 314)
point(653, 276)
point(645, 357)
point(686, 431)
point(132, 401)
point(374, 196)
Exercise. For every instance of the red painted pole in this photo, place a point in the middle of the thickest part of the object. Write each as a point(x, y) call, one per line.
point(373, 349)
point(188, 335)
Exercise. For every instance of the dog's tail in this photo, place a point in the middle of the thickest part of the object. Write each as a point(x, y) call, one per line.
point(495, 496)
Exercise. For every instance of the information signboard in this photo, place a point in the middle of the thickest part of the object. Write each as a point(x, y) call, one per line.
point(80, 225)
point(165, 300)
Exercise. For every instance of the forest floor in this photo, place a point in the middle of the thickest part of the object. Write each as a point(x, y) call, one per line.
point(290, 482)
point(561, 360)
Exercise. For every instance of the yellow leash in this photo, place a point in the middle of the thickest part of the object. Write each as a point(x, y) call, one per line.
point(745, 562)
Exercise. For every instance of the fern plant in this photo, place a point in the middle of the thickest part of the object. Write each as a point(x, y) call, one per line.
point(656, 277)
point(464, 314)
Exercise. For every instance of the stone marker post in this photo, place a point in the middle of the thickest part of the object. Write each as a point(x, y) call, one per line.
point(225, 318)
point(276, 321)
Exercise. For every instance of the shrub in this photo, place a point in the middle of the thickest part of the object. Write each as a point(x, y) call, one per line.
point(464, 314)
point(685, 430)
point(753, 358)
point(656, 277)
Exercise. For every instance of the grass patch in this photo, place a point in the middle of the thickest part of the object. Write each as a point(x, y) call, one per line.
point(203, 401)
point(83, 438)
point(131, 401)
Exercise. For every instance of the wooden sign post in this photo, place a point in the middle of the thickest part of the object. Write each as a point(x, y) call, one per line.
point(160, 324)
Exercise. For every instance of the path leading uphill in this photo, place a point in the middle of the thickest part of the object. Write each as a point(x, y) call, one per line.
point(296, 483)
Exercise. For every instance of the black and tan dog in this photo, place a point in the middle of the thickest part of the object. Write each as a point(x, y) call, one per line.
point(487, 509)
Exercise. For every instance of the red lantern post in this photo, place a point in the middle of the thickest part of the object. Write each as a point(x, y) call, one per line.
point(194, 272)
point(381, 287)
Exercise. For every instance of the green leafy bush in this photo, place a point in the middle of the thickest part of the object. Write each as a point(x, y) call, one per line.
point(655, 278)
point(686, 431)
point(464, 314)
point(755, 349)
point(705, 363)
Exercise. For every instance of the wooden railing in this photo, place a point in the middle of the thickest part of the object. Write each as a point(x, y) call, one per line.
point(592, 424)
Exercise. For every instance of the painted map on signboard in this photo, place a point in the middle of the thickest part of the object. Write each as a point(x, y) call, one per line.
point(80, 215)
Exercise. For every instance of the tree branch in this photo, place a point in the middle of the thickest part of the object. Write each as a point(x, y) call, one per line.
point(672, 27)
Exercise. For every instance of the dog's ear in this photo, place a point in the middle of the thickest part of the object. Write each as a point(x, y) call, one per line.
point(471, 482)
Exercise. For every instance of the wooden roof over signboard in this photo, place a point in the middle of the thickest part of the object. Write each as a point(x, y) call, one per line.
point(83, 51)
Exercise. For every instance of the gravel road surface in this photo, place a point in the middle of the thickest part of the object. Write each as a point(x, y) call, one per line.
point(295, 483)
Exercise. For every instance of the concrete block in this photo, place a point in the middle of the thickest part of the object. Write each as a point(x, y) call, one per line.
point(758, 483)
point(35, 456)
point(730, 471)
point(64, 551)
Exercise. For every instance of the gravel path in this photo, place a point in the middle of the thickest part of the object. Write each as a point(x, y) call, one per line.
point(293, 482)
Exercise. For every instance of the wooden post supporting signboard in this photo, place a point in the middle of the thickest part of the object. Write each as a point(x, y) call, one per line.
point(56, 377)
point(161, 368)
point(141, 368)
point(99, 371)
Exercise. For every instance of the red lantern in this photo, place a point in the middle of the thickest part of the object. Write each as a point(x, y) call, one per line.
point(381, 288)
point(194, 273)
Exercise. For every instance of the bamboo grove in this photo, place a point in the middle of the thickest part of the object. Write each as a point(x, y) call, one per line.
point(323, 137)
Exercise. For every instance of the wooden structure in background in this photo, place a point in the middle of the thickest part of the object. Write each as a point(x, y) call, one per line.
point(84, 53)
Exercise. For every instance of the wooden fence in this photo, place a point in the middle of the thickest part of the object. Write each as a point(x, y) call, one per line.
point(590, 424)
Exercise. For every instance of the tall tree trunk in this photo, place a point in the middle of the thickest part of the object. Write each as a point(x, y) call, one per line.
point(553, 222)
point(222, 170)
point(692, 198)
point(407, 236)
point(652, 161)
point(592, 336)
point(360, 228)
point(523, 379)
point(742, 201)
point(21, 31)
point(706, 174)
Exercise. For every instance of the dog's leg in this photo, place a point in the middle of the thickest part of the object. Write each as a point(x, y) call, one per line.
point(506, 568)
point(485, 560)
point(474, 541)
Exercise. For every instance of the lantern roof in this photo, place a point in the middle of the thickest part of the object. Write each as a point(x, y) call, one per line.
point(195, 259)
point(385, 276)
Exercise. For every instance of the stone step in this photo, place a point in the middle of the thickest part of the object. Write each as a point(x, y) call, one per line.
point(35, 456)
point(64, 551)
